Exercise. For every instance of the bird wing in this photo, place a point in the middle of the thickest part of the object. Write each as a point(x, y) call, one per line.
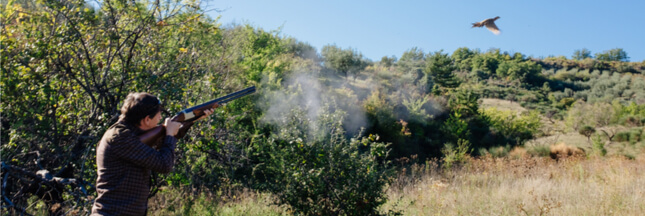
point(492, 27)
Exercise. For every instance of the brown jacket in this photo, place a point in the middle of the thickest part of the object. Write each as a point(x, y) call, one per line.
point(123, 166)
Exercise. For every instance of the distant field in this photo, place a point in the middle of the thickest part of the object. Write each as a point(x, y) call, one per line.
point(529, 186)
point(502, 104)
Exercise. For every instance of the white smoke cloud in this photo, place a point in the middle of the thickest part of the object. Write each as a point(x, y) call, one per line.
point(306, 92)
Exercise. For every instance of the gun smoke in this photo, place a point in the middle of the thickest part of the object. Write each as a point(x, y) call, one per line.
point(305, 91)
point(317, 93)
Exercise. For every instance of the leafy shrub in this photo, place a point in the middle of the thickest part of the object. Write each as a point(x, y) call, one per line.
point(463, 58)
point(632, 136)
point(617, 54)
point(325, 174)
point(635, 136)
point(565, 102)
point(587, 131)
point(518, 70)
point(564, 75)
point(622, 136)
point(539, 150)
point(516, 128)
point(592, 114)
point(453, 155)
point(598, 146)
point(498, 151)
point(455, 128)
point(343, 61)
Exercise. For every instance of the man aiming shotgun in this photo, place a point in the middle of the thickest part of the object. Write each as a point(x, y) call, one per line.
point(189, 116)
point(125, 155)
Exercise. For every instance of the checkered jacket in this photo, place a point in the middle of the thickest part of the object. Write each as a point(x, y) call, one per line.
point(123, 166)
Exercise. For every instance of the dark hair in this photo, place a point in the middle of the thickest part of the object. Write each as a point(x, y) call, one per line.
point(139, 105)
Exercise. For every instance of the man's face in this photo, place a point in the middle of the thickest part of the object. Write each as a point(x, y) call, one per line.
point(149, 123)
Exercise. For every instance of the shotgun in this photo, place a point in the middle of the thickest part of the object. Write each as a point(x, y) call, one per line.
point(188, 116)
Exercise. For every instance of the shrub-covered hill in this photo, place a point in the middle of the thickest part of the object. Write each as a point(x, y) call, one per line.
point(321, 133)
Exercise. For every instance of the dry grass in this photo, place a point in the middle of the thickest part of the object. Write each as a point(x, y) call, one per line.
point(244, 202)
point(500, 104)
point(525, 186)
point(562, 150)
point(514, 185)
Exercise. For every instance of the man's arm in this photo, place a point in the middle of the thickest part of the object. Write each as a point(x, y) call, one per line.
point(131, 149)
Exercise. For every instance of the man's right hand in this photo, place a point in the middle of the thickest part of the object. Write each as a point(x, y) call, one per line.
point(171, 127)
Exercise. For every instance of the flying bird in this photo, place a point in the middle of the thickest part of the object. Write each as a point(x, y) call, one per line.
point(489, 23)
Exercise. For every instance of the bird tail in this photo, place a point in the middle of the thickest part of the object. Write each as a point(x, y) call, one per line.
point(476, 25)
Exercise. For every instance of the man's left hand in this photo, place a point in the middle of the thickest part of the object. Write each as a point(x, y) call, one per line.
point(207, 113)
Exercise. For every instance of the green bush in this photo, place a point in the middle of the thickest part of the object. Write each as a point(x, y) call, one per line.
point(598, 146)
point(321, 173)
point(632, 136)
point(587, 131)
point(453, 155)
point(635, 136)
point(622, 136)
point(516, 128)
point(539, 151)
point(498, 152)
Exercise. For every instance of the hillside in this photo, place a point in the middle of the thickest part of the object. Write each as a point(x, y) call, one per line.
point(327, 131)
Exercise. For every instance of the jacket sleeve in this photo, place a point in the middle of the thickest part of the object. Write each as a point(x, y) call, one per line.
point(129, 148)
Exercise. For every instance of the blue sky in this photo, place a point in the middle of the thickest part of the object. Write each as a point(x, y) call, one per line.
point(387, 28)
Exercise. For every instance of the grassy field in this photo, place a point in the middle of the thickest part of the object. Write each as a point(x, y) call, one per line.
point(483, 186)
point(525, 186)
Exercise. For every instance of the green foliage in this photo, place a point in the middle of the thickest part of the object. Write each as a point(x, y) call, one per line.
point(522, 71)
point(629, 115)
point(517, 128)
point(416, 109)
point(539, 151)
point(440, 68)
point(592, 115)
point(326, 175)
point(343, 61)
point(412, 64)
point(464, 101)
point(388, 61)
point(454, 155)
point(587, 131)
point(463, 58)
point(487, 62)
point(598, 146)
point(67, 66)
point(622, 136)
point(497, 152)
point(412, 60)
point(581, 54)
point(455, 127)
point(617, 54)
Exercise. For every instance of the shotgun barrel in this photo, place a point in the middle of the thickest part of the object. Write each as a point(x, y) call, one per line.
point(188, 116)
point(195, 112)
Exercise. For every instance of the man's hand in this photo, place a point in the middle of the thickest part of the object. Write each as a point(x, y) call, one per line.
point(171, 127)
point(207, 112)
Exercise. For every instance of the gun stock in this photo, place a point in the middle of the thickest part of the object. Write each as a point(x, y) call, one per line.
point(188, 116)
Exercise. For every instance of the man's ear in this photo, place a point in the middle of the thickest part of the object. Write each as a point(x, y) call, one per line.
point(145, 120)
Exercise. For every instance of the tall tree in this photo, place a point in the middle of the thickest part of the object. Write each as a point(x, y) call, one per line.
point(581, 54)
point(388, 61)
point(343, 61)
point(440, 67)
point(412, 60)
point(463, 57)
point(617, 54)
